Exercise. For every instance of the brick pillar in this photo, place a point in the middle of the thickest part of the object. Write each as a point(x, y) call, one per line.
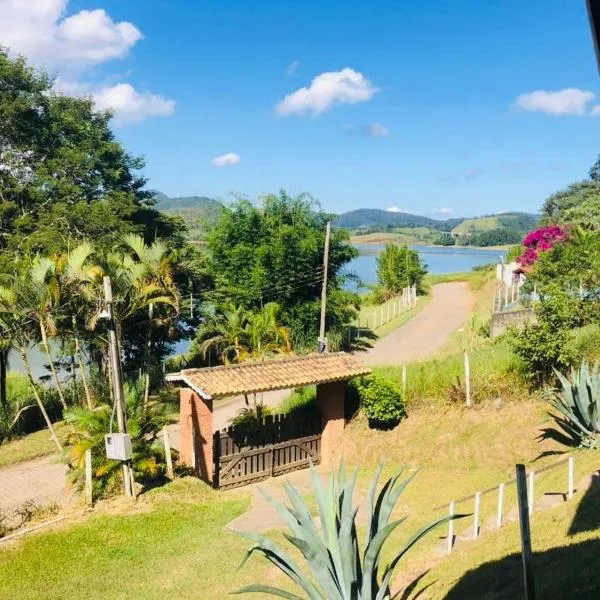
point(196, 433)
point(331, 398)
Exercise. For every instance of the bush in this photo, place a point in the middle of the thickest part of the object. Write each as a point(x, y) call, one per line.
point(302, 401)
point(584, 343)
point(381, 400)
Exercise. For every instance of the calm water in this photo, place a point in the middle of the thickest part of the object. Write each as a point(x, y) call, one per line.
point(439, 260)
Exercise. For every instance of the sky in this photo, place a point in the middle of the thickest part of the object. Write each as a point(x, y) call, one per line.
point(438, 108)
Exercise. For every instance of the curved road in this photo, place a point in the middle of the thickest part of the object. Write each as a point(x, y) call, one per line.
point(428, 330)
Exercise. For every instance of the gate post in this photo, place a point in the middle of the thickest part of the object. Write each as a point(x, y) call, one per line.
point(331, 399)
point(196, 433)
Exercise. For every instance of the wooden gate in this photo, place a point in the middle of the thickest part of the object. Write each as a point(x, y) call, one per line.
point(284, 443)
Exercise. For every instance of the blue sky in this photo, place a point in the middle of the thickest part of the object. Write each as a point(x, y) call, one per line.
point(439, 108)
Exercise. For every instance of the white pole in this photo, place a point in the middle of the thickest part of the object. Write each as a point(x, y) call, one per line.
point(571, 477)
point(505, 294)
point(388, 307)
point(168, 458)
point(381, 315)
point(476, 515)
point(531, 491)
point(467, 380)
point(451, 527)
point(88, 477)
point(500, 505)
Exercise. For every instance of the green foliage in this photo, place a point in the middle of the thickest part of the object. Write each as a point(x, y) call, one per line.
point(381, 400)
point(399, 267)
point(495, 237)
point(444, 240)
point(584, 343)
point(336, 568)
point(66, 177)
point(274, 253)
point(302, 401)
point(252, 416)
point(88, 428)
point(578, 404)
point(578, 204)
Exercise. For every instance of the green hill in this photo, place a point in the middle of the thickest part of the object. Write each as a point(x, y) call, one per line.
point(369, 218)
point(200, 213)
point(518, 221)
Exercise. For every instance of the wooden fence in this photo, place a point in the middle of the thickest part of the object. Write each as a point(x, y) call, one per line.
point(244, 454)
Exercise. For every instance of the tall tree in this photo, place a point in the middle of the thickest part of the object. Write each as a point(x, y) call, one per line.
point(399, 267)
point(273, 251)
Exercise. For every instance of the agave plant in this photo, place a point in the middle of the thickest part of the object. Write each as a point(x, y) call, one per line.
point(578, 402)
point(337, 569)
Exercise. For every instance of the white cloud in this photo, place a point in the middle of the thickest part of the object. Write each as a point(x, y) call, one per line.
point(376, 130)
point(292, 67)
point(443, 211)
point(327, 90)
point(595, 111)
point(570, 101)
point(225, 160)
point(394, 209)
point(41, 30)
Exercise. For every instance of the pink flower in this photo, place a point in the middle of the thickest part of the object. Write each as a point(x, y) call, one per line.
point(540, 240)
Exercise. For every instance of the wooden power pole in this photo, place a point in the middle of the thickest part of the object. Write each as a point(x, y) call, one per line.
point(322, 338)
point(117, 384)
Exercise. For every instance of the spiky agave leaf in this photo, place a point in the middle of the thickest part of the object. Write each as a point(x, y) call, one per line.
point(332, 554)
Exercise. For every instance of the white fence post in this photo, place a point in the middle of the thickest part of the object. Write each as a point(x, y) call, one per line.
point(467, 380)
point(88, 477)
point(571, 477)
point(531, 491)
point(381, 316)
point(388, 306)
point(500, 505)
point(451, 527)
point(476, 515)
point(168, 458)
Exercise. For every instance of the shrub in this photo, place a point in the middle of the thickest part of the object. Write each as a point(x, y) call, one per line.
point(302, 401)
point(382, 401)
point(251, 416)
point(584, 343)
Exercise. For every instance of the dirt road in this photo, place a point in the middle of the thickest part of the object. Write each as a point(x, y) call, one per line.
point(426, 332)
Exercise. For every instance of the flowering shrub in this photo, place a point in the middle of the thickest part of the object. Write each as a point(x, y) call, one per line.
point(540, 240)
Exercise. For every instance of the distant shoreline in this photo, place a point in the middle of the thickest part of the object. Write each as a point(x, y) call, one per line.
point(356, 241)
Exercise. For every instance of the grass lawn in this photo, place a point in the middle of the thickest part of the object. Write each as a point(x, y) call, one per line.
point(31, 446)
point(171, 545)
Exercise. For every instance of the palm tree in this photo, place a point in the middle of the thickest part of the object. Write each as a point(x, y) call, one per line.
point(22, 330)
point(36, 295)
point(158, 262)
point(240, 335)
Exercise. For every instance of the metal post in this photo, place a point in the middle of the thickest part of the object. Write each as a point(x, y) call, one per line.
point(571, 477)
point(115, 361)
point(525, 533)
point(476, 515)
point(322, 338)
point(500, 505)
point(451, 512)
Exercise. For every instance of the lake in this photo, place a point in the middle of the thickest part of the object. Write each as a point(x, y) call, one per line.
point(440, 260)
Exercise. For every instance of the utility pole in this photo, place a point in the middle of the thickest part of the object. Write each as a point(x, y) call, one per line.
point(322, 347)
point(115, 363)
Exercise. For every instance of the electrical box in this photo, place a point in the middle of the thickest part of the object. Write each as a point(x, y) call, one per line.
point(118, 446)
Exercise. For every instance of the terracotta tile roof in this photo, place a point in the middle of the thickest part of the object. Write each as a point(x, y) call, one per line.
point(268, 375)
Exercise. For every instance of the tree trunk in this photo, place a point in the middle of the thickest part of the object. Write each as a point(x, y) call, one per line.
point(40, 404)
point(147, 357)
point(3, 368)
point(86, 387)
point(54, 373)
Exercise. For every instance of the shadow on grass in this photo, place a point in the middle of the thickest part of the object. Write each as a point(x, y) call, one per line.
point(566, 572)
point(587, 517)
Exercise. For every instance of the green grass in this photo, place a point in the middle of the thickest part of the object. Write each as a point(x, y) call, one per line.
point(478, 225)
point(494, 374)
point(476, 279)
point(34, 445)
point(172, 545)
point(366, 315)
